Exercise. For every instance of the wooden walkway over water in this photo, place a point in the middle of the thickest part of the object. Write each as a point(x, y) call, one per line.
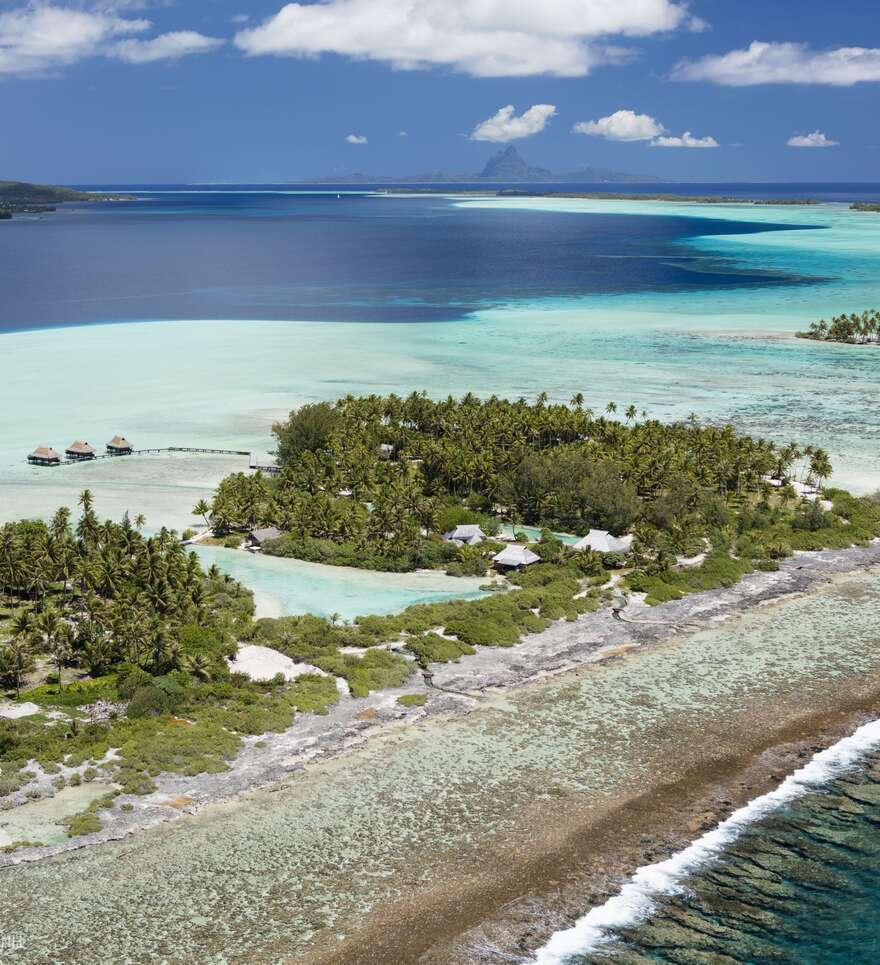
point(255, 463)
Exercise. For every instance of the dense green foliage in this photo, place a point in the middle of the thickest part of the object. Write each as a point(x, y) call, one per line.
point(99, 594)
point(375, 481)
point(853, 329)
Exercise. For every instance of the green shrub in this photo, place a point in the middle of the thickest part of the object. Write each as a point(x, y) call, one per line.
point(412, 700)
point(85, 823)
point(432, 648)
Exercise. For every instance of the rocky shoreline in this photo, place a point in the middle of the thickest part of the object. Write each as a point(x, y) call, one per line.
point(275, 760)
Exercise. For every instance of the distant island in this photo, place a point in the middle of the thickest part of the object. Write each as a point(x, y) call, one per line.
point(21, 197)
point(504, 166)
point(610, 196)
point(865, 206)
point(852, 329)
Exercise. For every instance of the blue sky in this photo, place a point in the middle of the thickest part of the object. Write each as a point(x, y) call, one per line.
point(104, 91)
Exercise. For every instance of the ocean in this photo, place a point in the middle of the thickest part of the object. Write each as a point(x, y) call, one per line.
point(802, 887)
point(198, 314)
point(237, 253)
point(792, 877)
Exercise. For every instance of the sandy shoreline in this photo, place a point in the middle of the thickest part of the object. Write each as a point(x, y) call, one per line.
point(594, 638)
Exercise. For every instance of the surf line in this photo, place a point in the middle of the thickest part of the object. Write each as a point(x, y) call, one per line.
point(636, 899)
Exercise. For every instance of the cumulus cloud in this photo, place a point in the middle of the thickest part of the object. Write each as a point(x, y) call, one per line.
point(816, 139)
point(170, 46)
point(686, 140)
point(485, 38)
point(629, 126)
point(41, 38)
point(621, 126)
point(784, 63)
point(356, 139)
point(506, 126)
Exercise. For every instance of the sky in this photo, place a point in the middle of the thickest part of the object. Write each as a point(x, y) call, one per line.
point(178, 91)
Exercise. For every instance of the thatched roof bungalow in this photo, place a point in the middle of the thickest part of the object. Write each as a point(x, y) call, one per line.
point(467, 535)
point(44, 456)
point(259, 536)
point(601, 541)
point(79, 450)
point(515, 557)
point(119, 446)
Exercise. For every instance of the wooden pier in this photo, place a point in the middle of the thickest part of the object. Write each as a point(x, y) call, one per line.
point(254, 461)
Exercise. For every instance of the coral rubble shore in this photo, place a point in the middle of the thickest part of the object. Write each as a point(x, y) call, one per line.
point(456, 688)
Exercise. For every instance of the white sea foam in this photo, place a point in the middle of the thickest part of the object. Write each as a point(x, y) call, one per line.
point(636, 899)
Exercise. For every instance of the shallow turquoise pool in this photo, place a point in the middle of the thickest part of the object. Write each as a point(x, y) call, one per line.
point(283, 587)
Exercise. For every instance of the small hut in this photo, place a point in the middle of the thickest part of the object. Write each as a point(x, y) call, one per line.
point(515, 557)
point(257, 537)
point(44, 456)
point(465, 535)
point(119, 446)
point(79, 450)
point(601, 541)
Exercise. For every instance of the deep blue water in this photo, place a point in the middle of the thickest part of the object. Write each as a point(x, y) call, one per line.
point(197, 252)
point(801, 888)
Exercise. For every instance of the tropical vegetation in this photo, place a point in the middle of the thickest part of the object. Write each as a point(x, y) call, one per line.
point(853, 329)
point(377, 481)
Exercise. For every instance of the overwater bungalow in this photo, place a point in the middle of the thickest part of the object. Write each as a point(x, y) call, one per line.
point(468, 535)
point(44, 456)
point(601, 541)
point(79, 450)
point(515, 557)
point(119, 446)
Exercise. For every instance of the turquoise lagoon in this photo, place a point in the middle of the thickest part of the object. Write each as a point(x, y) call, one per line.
point(726, 353)
point(283, 586)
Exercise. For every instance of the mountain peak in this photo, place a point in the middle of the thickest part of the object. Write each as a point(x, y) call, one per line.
point(507, 165)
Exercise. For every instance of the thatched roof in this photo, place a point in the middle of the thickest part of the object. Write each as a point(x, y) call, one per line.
point(515, 555)
point(119, 442)
point(261, 535)
point(80, 448)
point(44, 452)
point(603, 542)
point(469, 535)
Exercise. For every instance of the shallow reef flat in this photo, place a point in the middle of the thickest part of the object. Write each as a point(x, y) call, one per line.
point(425, 815)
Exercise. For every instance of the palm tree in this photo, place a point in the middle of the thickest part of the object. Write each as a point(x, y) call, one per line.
point(197, 665)
point(202, 508)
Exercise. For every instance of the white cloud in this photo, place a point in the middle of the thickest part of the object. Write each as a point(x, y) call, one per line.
point(240, 18)
point(506, 126)
point(39, 39)
point(402, 134)
point(629, 126)
point(179, 43)
point(621, 126)
point(485, 38)
point(356, 139)
point(686, 140)
point(42, 38)
point(784, 63)
point(816, 139)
